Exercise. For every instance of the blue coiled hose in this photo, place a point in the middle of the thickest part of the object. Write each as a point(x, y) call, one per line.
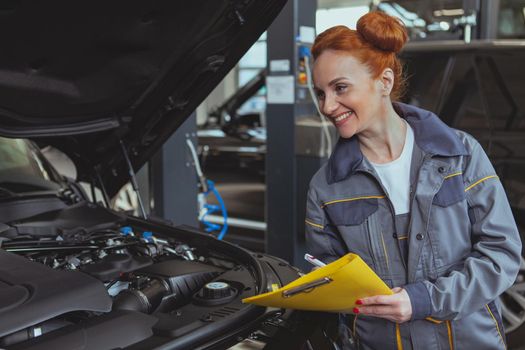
point(213, 208)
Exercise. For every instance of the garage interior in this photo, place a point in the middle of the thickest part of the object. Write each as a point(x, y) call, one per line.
point(239, 167)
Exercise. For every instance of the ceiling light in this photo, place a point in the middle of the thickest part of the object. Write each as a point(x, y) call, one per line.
point(451, 12)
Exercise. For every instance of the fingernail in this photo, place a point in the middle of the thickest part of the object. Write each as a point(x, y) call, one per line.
point(356, 310)
point(359, 302)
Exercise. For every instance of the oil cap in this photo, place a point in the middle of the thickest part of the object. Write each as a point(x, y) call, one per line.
point(215, 293)
point(216, 290)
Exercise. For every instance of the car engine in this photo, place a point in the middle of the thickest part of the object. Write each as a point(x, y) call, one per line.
point(121, 282)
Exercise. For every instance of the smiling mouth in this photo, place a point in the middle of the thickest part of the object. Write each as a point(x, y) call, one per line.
point(342, 117)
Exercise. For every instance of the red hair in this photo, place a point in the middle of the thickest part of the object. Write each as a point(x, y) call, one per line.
point(375, 43)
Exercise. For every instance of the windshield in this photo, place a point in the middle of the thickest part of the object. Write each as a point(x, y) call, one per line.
point(24, 169)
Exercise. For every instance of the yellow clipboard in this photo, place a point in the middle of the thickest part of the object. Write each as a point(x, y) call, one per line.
point(331, 288)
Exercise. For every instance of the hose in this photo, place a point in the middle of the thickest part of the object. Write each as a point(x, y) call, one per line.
point(208, 187)
point(212, 208)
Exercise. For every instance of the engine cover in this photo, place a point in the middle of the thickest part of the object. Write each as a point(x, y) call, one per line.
point(31, 293)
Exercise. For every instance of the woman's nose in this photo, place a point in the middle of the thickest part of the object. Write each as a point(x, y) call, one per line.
point(329, 105)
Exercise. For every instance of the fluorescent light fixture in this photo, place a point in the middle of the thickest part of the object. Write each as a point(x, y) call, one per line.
point(403, 12)
point(444, 25)
point(438, 26)
point(451, 12)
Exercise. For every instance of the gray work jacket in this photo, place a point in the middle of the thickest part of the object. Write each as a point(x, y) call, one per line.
point(460, 251)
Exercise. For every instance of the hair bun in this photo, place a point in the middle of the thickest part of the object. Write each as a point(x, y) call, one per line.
point(385, 32)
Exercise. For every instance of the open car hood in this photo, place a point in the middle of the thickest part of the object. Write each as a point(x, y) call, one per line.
point(83, 75)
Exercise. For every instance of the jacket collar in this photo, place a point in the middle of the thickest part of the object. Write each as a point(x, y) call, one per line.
point(431, 135)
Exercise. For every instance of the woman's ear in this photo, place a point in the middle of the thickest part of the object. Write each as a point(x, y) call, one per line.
point(387, 81)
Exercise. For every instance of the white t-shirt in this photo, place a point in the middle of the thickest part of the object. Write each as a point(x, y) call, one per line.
point(395, 175)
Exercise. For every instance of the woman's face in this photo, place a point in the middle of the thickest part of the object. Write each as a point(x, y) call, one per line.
point(347, 94)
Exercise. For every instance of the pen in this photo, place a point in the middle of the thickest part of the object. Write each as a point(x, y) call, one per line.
point(312, 260)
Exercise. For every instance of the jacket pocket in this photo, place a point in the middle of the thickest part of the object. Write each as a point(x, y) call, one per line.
point(349, 217)
point(374, 333)
point(351, 211)
point(479, 330)
point(452, 191)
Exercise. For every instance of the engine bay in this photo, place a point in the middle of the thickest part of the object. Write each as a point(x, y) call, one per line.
point(87, 270)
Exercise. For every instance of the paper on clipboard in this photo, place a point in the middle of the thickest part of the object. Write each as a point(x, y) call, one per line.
point(331, 288)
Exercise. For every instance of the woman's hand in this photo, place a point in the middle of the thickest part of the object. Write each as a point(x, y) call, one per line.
point(395, 308)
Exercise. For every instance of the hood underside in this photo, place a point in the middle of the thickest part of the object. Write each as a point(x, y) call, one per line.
point(83, 75)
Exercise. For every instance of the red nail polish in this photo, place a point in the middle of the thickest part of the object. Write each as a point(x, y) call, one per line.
point(356, 310)
point(359, 302)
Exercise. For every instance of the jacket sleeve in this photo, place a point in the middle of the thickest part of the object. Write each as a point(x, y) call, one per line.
point(494, 261)
point(321, 241)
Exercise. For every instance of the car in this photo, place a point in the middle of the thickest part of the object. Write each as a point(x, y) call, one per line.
point(107, 83)
point(232, 140)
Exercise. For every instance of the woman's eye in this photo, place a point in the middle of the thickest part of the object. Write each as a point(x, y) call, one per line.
point(320, 95)
point(340, 88)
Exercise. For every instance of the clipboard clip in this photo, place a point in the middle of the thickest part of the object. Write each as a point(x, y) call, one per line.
point(305, 287)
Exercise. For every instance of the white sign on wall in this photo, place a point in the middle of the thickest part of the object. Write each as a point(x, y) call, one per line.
point(280, 89)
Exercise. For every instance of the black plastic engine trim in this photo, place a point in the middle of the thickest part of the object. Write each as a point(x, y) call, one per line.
point(32, 293)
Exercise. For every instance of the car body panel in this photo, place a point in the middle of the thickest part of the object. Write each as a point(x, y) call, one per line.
point(82, 76)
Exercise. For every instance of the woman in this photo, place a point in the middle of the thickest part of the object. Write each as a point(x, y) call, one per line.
point(417, 200)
